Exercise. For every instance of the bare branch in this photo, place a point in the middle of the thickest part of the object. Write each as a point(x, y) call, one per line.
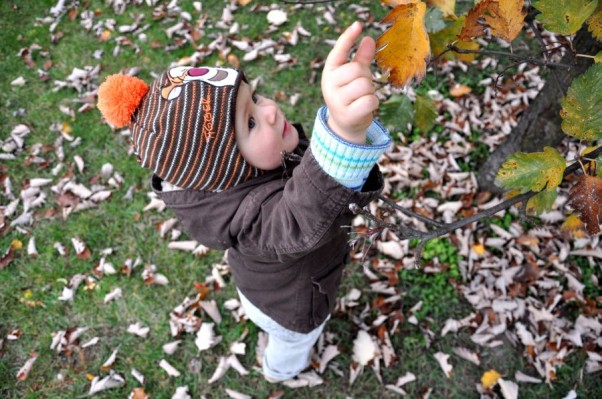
point(406, 233)
point(409, 213)
point(521, 58)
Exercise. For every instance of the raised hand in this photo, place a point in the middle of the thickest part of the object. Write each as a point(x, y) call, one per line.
point(347, 86)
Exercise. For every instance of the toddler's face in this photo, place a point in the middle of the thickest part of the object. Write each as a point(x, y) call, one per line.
point(262, 131)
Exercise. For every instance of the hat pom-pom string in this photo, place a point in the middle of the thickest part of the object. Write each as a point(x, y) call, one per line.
point(118, 98)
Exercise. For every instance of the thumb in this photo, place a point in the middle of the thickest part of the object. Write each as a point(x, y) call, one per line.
point(365, 52)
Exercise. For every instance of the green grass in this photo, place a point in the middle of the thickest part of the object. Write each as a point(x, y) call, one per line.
point(123, 226)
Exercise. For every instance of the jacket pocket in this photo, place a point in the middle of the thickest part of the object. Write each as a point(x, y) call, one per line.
point(324, 294)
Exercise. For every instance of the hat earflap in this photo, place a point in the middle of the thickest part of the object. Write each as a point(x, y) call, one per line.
point(119, 97)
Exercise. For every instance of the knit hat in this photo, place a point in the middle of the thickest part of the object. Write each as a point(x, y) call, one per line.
point(182, 125)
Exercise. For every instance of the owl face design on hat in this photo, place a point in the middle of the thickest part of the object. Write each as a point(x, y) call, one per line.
point(180, 76)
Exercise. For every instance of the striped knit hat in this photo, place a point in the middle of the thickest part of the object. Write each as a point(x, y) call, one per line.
point(182, 125)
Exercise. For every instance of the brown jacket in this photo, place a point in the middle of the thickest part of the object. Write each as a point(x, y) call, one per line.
point(286, 233)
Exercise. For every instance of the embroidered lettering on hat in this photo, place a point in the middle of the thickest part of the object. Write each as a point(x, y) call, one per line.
point(208, 131)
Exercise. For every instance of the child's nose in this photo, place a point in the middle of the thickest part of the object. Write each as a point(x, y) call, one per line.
point(271, 111)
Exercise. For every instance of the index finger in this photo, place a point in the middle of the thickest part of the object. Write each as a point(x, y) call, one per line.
point(340, 52)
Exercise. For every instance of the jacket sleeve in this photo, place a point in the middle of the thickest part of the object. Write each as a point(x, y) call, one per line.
point(285, 220)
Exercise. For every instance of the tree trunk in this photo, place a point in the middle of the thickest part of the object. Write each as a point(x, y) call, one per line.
point(539, 125)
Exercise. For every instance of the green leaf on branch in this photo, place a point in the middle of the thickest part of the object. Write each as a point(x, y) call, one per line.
point(541, 202)
point(582, 107)
point(532, 171)
point(564, 16)
point(397, 112)
point(594, 23)
point(441, 39)
point(433, 20)
point(425, 113)
point(598, 57)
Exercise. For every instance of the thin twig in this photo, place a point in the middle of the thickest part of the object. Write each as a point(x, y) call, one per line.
point(522, 58)
point(543, 43)
point(409, 213)
point(445, 228)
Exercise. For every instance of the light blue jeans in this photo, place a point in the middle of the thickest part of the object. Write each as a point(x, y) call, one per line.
point(287, 352)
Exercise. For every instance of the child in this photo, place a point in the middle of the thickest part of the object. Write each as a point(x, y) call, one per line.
point(239, 176)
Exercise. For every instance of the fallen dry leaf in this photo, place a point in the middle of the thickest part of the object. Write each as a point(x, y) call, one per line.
point(445, 366)
point(108, 364)
point(237, 395)
point(364, 348)
point(26, 369)
point(459, 90)
point(181, 393)
point(113, 380)
point(116, 293)
point(509, 389)
point(7, 258)
point(206, 337)
point(138, 393)
point(138, 329)
point(170, 348)
point(169, 369)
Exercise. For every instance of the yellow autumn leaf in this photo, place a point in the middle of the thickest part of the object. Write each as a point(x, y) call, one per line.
point(594, 24)
point(447, 7)
point(490, 378)
point(478, 248)
point(588, 162)
point(66, 127)
point(395, 3)
point(16, 244)
point(459, 90)
point(573, 225)
point(105, 35)
point(403, 49)
point(506, 19)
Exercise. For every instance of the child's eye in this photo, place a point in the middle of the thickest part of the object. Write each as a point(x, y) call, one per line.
point(254, 97)
point(251, 123)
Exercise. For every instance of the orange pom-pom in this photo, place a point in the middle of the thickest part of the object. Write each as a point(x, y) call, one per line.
point(118, 98)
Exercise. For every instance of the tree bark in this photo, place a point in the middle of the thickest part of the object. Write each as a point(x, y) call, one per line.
point(539, 125)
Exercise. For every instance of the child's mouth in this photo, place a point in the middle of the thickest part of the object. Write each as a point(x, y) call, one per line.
point(286, 128)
